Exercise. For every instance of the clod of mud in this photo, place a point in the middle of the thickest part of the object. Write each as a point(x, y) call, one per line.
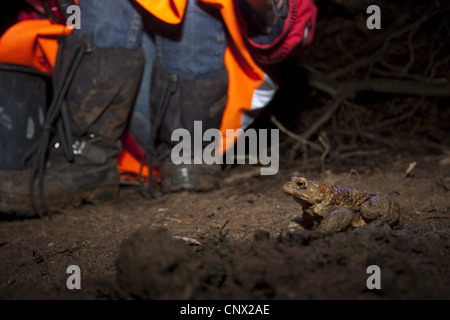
point(153, 265)
point(295, 265)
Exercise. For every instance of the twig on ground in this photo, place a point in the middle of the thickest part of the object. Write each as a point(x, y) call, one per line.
point(396, 78)
point(402, 117)
point(324, 141)
point(294, 136)
point(379, 85)
point(361, 153)
point(325, 117)
point(189, 241)
point(434, 215)
point(253, 172)
point(319, 122)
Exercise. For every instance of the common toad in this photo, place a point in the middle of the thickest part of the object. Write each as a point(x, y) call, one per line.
point(334, 208)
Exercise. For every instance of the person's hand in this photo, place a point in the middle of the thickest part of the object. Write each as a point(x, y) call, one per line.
point(37, 5)
point(265, 12)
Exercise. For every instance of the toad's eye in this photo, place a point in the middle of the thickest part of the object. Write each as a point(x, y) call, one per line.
point(301, 183)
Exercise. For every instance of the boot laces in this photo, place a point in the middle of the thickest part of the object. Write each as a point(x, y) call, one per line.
point(57, 116)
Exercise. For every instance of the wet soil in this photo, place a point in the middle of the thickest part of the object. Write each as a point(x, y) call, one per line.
point(236, 244)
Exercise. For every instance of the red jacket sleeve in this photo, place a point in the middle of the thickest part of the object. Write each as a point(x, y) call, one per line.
point(296, 34)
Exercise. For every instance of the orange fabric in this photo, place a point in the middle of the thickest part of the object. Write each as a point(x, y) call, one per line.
point(126, 163)
point(32, 43)
point(170, 11)
point(240, 93)
point(244, 74)
point(129, 168)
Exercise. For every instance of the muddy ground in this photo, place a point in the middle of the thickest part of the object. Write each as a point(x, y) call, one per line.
point(124, 248)
point(236, 243)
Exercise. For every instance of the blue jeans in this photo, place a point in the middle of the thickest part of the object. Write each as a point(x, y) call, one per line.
point(193, 49)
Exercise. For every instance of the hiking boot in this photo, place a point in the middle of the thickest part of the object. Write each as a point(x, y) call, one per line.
point(176, 103)
point(186, 177)
point(75, 159)
point(64, 185)
point(190, 177)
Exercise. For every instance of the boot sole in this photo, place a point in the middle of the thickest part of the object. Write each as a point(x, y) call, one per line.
point(62, 188)
point(198, 178)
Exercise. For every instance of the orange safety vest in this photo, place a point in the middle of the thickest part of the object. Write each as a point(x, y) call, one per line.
point(245, 76)
point(33, 43)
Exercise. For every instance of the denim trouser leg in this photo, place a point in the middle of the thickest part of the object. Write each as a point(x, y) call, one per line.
point(139, 126)
point(113, 23)
point(197, 50)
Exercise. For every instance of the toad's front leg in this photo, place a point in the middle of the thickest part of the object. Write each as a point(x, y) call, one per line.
point(336, 218)
point(301, 222)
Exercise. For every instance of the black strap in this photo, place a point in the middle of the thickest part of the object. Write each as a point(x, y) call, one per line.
point(57, 114)
point(154, 129)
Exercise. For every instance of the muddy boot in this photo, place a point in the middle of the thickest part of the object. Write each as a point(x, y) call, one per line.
point(75, 159)
point(24, 94)
point(176, 103)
